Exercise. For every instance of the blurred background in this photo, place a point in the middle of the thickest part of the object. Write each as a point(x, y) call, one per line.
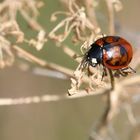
point(64, 119)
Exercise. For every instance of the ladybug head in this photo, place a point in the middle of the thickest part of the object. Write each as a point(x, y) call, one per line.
point(94, 55)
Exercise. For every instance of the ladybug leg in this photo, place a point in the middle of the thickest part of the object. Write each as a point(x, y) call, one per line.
point(119, 73)
point(123, 73)
point(129, 68)
point(111, 79)
point(88, 70)
point(116, 74)
point(132, 70)
point(127, 71)
point(104, 73)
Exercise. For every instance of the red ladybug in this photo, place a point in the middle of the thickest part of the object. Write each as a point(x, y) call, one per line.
point(113, 52)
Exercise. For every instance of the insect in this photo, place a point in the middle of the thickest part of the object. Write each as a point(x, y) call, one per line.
point(112, 52)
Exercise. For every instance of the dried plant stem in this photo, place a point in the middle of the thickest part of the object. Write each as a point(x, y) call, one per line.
point(43, 63)
point(131, 81)
point(64, 70)
point(112, 80)
point(32, 22)
point(29, 56)
point(84, 27)
point(71, 53)
point(105, 118)
point(101, 128)
point(90, 12)
point(111, 16)
point(130, 114)
point(46, 98)
point(135, 63)
point(49, 98)
point(68, 72)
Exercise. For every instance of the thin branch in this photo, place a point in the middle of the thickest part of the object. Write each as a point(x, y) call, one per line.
point(43, 63)
point(131, 81)
point(67, 50)
point(135, 61)
point(91, 13)
point(112, 103)
point(112, 80)
point(111, 16)
point(46, 98)
point(130, 114)
point(32, 22)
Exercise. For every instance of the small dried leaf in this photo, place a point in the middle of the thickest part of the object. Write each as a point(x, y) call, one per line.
point(39, 45)
point(41, 35)
point(32, 42)
point(73, 81)
point(72, 91)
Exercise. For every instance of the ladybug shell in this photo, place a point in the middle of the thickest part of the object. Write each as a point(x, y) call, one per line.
point(117, 52)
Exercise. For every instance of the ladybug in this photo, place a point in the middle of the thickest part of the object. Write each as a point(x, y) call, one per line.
point(112, 52)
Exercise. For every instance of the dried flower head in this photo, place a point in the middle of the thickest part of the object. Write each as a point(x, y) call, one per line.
point(76, 21)
point(8, 9)
point(84, 74)
point(10, 29)
point(40, 41)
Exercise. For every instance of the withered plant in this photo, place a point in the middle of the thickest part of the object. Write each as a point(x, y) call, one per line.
point(80, 23)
